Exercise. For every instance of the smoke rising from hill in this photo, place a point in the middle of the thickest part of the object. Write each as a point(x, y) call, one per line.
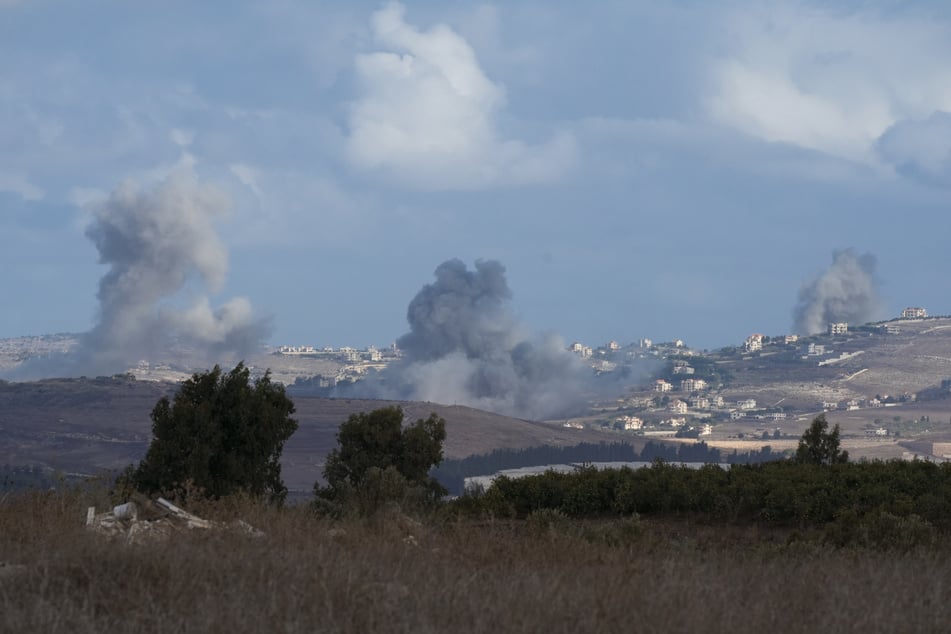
point(846, 292)
point(466, 347)
point(158, 243)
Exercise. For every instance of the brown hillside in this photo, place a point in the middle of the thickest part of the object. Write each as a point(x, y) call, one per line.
point(85, 425)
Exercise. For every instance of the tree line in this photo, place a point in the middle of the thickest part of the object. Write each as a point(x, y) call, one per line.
point(452, 473)
point(223, 433)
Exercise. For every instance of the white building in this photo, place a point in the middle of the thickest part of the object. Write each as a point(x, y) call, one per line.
point(677, 407)
point(296, 350)
point(754, 343)
point(581, 350)
point(630, 423)
point(747, 404)
point(838, 328)
point(693, 385)
point(914, 312)
point(815, 349)
point(660, 385)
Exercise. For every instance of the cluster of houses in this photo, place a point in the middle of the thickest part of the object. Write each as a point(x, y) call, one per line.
point(686, 385)
point(685, 394)
point(756, 341)
point(866, 403)
point(643, 348)
point(14, 351)
point(635, 423)
point(346, 353)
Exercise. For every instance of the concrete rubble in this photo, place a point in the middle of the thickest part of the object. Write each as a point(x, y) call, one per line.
point(145, 520)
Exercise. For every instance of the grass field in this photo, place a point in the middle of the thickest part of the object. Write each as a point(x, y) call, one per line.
point(393, 574)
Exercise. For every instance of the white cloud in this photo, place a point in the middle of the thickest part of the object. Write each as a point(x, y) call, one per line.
point(920, 148)
point(18, 183)
point(830, 82)
point(427, 114)
point(248, 176)
point(182, 138)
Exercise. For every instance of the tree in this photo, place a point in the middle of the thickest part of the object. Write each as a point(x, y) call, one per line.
point(819, 446)
point(222, 433)
point(375, 452)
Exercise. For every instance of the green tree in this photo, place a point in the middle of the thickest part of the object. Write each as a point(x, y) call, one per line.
point(222, 433)
point(375, 450)
point(819, 446)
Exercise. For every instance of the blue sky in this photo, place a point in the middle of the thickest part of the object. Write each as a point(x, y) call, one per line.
point(642, 169)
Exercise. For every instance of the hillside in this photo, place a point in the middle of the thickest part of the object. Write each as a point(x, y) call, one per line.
point(83, 425)
point(915, 358)
point(869, 379)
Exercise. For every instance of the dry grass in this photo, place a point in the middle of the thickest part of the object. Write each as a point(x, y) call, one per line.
point(364, 576)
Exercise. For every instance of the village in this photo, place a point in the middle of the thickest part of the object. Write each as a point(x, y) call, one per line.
point(693, 394)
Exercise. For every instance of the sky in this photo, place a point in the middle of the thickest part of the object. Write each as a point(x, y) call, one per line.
point(641, 169)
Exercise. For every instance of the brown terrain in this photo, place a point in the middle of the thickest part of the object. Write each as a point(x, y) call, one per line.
point(916, 358)
point(86, 425)
point(910, 363)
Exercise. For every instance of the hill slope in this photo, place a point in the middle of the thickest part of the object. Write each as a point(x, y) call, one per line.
point(84, 425)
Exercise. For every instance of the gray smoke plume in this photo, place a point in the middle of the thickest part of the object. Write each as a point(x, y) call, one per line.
point(846, 292)
point(466, 347)
point(158, 243)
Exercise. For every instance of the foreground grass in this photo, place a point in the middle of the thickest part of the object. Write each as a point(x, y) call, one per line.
point(390, 574)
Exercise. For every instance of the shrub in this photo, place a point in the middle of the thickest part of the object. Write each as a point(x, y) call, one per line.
point(221, 434)
point(377, 460)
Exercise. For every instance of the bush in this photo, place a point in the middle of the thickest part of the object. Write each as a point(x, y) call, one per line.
point(377, 460)
point(880, 530)
point(818, 446)
point(221, 434)
point(782, 493)
point(547, 522)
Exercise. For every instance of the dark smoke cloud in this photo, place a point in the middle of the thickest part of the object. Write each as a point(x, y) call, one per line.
point(846, 292)
point(158, 243)
point(465, 347)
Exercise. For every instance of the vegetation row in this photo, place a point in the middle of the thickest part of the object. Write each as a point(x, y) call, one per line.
point(222, 434)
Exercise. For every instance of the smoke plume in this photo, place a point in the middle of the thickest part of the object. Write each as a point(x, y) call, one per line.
point(158, 244)
point(466, 347)
point(846, 292)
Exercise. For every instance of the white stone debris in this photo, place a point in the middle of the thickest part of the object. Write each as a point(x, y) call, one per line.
point(146, 520)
